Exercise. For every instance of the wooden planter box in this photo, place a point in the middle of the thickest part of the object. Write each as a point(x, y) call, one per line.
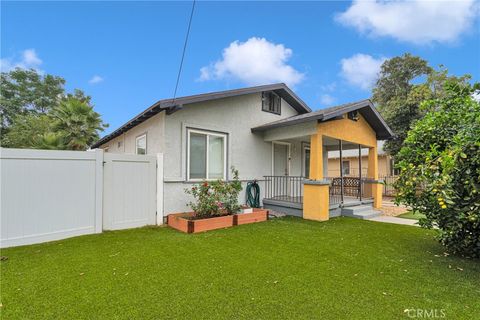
point(258, 215)
point(181, 222)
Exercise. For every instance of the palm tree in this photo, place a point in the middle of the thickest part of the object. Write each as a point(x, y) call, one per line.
point(49, 141)
point(77, 122)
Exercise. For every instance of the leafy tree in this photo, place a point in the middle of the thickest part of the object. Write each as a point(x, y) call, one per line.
point(26, 91)
point(79, 95)
point(404, 83)
point(78, 123)
point(26, 130)
point(440, 165)
point(396, 75)
point(36, 112)
point(392, 95)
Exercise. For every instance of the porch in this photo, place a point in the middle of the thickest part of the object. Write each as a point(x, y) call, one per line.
point(285, 193)
point(299, 183)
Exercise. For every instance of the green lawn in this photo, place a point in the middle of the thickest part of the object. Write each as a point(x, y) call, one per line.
point(285, 269)
point(411, 215)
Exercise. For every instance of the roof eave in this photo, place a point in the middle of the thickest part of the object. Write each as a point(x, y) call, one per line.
point(382, 132)
point(169, 104)
point(285, 124)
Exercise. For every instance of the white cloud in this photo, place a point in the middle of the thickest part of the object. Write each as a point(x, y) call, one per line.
point(476, 96)
point(95, 79)
point(416, 21)
point(329, 87)
point(327, 99)
point(256, 61)
point(27, 60)
point(361, 70)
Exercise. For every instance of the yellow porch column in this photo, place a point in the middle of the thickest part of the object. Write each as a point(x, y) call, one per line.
point(315, 190)
point(372, 171)
point(374, 189)
point(316, 157)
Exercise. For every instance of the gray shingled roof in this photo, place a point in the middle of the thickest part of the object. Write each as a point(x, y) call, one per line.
point(170, 105)
point(365, 107)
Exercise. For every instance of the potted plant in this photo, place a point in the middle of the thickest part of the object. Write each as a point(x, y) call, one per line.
point(215, 206)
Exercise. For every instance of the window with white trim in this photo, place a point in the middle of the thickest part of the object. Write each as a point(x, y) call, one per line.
point(206, 155)
point(141, 144)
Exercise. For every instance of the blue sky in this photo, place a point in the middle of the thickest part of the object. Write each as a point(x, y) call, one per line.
point(126, 54)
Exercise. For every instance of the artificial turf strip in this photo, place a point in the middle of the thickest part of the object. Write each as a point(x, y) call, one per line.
point(285, 269)
point(411, 215)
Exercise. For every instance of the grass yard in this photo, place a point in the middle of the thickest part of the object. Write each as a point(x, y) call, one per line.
point(411, 215)
point(281, 269)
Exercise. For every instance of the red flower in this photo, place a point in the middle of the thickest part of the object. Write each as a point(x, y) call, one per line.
point(205, 184)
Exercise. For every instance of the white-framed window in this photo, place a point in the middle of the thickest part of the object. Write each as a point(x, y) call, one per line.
point(206, 155)
point(141, 144)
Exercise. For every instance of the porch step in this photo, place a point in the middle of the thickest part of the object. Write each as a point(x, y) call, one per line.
point(360, 212)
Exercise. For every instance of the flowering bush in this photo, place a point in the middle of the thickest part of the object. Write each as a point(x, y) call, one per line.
point(216, 198)
point(440, 169)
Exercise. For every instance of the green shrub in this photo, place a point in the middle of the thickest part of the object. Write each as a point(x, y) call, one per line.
point(440, 169)
point(216, 198)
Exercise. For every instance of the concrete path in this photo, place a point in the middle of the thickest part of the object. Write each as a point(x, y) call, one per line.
point(407, 222)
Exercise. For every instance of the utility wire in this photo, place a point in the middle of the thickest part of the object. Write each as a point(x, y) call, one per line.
point(183, 53)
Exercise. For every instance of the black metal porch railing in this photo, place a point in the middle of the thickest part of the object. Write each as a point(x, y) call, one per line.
point(353, 188)
point(284, 188)
point(290, 189)
point(388, 189)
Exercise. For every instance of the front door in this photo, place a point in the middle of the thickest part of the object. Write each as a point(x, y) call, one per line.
point(281, 155)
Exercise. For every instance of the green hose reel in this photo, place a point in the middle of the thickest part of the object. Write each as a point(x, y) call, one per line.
point(253, 194)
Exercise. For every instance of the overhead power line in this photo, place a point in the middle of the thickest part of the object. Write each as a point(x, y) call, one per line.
point(184, 50)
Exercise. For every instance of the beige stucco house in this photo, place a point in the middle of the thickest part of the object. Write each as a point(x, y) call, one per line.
point(351, 163)
point(269, 134)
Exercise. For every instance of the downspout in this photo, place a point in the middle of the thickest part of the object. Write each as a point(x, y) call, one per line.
point(360, 171)
point(340, 144)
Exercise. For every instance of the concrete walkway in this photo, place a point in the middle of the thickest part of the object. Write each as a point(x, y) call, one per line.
point(407, 222)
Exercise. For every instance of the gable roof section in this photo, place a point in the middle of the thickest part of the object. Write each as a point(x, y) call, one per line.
point(365, 107)
point(172, 104)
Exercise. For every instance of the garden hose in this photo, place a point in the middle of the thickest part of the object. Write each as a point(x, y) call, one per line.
point(253, 194)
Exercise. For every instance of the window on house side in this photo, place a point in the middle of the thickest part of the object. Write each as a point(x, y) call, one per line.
point(346, 167)
point(206, 155)
point(271, 102)
point(141, 144)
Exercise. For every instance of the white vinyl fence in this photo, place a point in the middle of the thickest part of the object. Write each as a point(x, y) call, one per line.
point(49, 195)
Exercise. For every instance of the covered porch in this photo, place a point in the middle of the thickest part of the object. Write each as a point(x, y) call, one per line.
point(299, 183)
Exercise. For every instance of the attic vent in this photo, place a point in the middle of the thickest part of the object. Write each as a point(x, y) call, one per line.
point(353, 115)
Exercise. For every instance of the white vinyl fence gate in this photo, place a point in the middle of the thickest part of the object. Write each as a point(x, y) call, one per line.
point(49, 195)
point(129, 191)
